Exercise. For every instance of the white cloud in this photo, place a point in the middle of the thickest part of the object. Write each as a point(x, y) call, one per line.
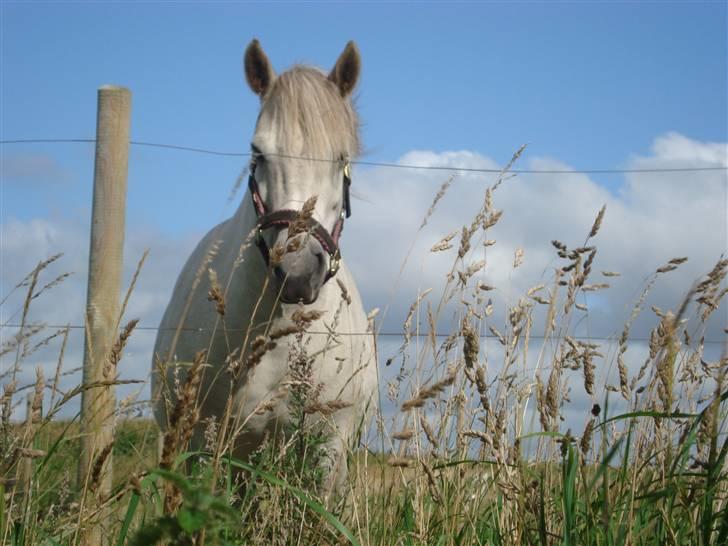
point(681, 151)
point(652, 218)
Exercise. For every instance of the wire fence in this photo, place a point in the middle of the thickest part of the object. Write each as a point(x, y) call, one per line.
point(613, 338)
point(199, 150)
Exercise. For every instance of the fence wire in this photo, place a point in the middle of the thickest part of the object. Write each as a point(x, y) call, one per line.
point(333, 333)
point(390, 165)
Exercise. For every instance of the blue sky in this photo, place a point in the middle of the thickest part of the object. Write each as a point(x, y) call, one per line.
point(588, 83)
point(584, 84)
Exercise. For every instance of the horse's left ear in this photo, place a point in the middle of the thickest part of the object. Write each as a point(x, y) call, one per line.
point(258, 71)
point(346, 71)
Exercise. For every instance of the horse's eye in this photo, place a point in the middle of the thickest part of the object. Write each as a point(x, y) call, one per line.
point(256, 154)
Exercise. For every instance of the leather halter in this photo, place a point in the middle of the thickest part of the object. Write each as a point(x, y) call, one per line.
point(285, 217)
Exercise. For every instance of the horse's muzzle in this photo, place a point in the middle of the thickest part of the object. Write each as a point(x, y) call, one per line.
point(302, 273)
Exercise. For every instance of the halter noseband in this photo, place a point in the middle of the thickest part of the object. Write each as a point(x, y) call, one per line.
point(285, 217)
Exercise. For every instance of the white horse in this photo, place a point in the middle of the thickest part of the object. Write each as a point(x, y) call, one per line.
point(306, 134)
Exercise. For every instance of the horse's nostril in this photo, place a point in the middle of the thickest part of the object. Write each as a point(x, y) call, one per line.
point(319, 257)
point(279, 273)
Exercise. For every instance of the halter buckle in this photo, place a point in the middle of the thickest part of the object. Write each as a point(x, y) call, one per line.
point(347, 170)
point(334, 262)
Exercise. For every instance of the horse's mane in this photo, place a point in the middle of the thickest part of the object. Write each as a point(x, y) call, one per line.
point(309, 117)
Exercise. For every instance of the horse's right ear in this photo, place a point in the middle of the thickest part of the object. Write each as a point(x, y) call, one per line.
point(346, 71)
point(258, 70)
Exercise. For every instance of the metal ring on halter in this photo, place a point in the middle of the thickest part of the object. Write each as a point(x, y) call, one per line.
point(334, 263)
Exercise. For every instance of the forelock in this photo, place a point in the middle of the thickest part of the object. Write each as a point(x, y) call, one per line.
point(306, 112)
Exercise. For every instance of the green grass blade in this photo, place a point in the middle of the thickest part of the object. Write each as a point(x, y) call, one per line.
point(543, 534)
point(303, 497)
point(653, 414)
point(569, 496)
point(131, 509)
point(2, 507)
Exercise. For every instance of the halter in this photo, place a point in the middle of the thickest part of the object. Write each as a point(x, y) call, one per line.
point(285, 217)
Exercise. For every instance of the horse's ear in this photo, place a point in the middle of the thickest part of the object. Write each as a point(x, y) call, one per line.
point(258, 70)
point(346, 71)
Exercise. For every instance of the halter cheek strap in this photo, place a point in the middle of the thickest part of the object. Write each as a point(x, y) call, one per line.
point(285, 217)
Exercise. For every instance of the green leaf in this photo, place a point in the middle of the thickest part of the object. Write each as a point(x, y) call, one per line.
point(191, 520)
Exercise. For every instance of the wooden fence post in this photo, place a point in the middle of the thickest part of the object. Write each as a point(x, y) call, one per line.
point(104, 287)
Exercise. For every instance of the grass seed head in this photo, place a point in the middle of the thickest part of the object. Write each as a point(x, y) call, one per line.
point(303, 218)
point(98, 466)
point(36, 406)
point(112, 362)
point(215, 294)
point(597, 222)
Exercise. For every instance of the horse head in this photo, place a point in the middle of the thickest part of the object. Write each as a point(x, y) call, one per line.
point(305, 137)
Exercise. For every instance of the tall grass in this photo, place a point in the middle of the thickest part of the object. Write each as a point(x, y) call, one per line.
point(475, 452)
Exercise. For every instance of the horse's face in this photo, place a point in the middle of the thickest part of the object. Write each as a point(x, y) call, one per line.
point(285, 184)
point(304, 115)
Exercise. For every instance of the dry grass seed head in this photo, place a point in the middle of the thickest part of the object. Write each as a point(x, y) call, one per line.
point(518, 258)
point(403, 435)
point(184, 416)
point(429, 432)
point(597, 222)
point(434, 488)
point(276, 255)
point(21, 338)
point(464, 242)
point(471, 345)
point(45, 341)
point(471, 270)
point(439, 195)
point(327, 408)
point(588, 372)
point(7, 402)
point(215, 294)
point(479, 435)
point(499, 428)
point(492, 219)
point(553, 390)
point(586, 437)
point(262, 345)
point(302, 220)
point(497, 334)
point(426, 393)
point(304, 317)
point(98, 466)
point(36, 406)
point(444, 243)
point(117, 349)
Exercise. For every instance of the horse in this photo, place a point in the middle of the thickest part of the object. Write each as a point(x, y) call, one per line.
point(283, 297)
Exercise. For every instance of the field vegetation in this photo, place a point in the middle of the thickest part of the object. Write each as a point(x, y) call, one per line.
point(475, 452)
